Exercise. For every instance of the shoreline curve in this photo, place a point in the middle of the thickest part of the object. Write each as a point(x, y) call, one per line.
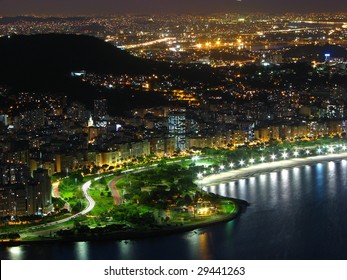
point(257, 169)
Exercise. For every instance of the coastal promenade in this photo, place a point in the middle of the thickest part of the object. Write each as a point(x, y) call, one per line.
point(265, 167)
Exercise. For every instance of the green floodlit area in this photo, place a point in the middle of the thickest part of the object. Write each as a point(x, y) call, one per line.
point(153, 197)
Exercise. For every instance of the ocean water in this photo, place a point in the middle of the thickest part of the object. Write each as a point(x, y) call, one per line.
point(295, 213)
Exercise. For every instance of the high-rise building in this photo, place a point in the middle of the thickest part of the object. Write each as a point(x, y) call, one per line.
point(15, 193)
point(177, 127)
point(43, 190)
point(21, 195)
point(14, 174)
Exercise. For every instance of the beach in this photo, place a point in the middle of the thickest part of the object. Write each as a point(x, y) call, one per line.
point(266, 167)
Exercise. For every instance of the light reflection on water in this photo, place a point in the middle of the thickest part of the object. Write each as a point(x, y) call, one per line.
point(15, 253)
point(82, 250)
point(297, 213)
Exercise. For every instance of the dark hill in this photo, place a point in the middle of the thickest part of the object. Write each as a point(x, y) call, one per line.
point(44, 62)
point(52, 56)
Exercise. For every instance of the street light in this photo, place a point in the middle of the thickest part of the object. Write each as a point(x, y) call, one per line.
point(231, 164)
point(252, 160)
point(195, 158)
point(331, 149)
point(262, 159)
point(273, 157)
point(296, 153)
point(307, 152)
point(284, 155)
point(319, 150)
point(242, 162)
point(221, 167)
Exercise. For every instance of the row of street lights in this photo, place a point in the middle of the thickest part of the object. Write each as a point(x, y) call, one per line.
point(284, 155)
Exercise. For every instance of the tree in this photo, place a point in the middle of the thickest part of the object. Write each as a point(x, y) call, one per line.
point(103, 181)
point(187, 199)
point(77, 177)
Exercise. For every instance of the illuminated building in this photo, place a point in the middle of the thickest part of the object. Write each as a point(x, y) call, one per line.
point(43, 190)
point(162, 146)
point(16, 194)
point(177, 127)
point(22, 195)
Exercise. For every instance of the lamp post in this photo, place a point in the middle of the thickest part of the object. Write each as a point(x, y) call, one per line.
point(284, 155)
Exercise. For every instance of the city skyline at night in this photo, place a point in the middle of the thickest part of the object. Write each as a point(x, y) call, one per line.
point(149, 122)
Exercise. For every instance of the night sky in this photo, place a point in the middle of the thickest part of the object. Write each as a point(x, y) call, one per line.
point(105, 7)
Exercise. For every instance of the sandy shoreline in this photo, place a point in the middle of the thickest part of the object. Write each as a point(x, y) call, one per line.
point(248, 171)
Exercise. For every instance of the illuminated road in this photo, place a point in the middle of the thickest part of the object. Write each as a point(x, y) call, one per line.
point(55, 186)
point(115, 194)
point(39, 229)
point(145, 44)
point(42, 229)
point(90, 201)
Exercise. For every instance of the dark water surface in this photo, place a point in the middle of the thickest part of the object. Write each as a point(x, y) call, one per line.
point(295, 213)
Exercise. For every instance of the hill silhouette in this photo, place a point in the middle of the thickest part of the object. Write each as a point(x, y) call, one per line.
point(43, 64)
point(44, 60)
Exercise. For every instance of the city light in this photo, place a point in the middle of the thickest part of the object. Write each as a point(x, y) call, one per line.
point(218, 109)
point(195, 158)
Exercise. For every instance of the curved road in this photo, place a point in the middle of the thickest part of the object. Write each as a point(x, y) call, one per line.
point(90, 202)
point(90, 206)
point(115, 194)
